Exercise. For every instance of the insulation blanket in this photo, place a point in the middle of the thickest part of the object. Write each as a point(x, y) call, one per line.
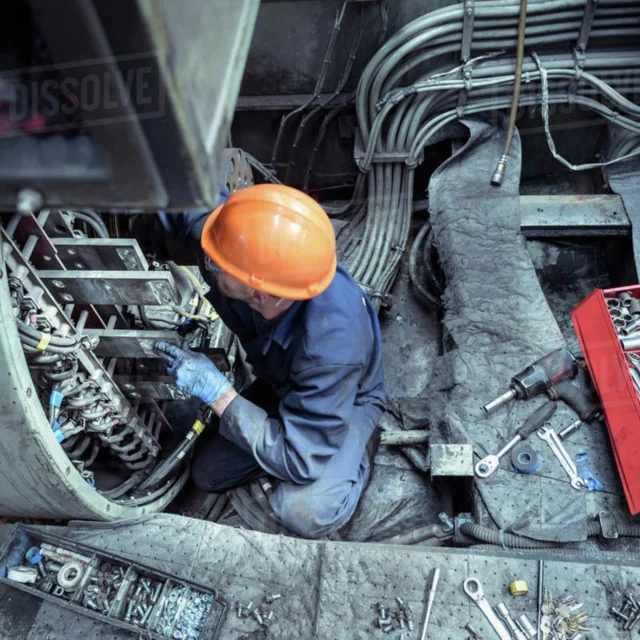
point(498, 322)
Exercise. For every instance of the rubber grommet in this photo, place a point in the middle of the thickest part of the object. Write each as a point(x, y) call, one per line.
point(524, 459)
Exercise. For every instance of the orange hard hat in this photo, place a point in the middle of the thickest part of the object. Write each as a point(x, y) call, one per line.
point(275, 239)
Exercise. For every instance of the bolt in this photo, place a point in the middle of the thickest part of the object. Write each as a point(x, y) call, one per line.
point(72, 252)
point(257, 616)
point(400, 602)
point(127, 615)
point(469, 12)
point(29, 201)
point(239, 609)
point(58, 283)
point(410, 624)
point(78, 265)
point(270, 616)
point(250, 605)
point(145, 585)
point(633, 603)
point(92, 604)
point(273, 597)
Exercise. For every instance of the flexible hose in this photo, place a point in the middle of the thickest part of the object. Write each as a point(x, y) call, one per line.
point(491, 536)
point(424, 295)
point(98, 228)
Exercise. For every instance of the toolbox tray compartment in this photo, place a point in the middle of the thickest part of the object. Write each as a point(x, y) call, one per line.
point(23, 537)
point(608, 366)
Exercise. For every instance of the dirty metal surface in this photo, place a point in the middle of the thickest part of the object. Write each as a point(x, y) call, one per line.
point(451, 459)
point(576, 215)
point(112, 287)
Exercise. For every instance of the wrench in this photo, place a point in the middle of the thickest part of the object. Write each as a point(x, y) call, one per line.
point(551, 437)
point(474, 590)
point(485, 467)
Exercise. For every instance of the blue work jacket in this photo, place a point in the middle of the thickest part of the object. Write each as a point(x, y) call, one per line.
point(324, 360)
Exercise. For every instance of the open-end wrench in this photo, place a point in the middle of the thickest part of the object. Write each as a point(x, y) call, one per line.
point(474, 590)
point(547, 434)
point(485, 467)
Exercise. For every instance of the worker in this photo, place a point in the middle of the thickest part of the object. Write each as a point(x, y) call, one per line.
point(312, 339)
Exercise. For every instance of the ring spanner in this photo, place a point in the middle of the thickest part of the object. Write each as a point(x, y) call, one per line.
point(474, 590)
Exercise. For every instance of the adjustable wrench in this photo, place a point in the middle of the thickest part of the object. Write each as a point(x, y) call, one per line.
point(474, 590)
point(551, 437)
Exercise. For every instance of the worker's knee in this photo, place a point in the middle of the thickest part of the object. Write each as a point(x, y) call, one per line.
point(205, 478)
point(310, 514)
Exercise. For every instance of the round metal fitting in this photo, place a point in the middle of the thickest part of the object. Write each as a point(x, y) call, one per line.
point(70, 575)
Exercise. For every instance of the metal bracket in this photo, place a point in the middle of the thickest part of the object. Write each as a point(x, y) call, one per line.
point(467, 29)
point(580, 50)
point(587, 23)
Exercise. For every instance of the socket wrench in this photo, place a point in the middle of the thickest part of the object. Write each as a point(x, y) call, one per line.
point(473, 588)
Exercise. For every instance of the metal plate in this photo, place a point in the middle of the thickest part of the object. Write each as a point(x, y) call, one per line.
point(112, 287)
point(451, 460)
point(116, 343)
point(573, 215)
point(100, 254)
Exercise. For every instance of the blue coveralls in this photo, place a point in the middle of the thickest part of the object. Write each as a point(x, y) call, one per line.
point(323, 358)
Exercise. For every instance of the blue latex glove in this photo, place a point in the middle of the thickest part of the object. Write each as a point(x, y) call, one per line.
point(195, 374)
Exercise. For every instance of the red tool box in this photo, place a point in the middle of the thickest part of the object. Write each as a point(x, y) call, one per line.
point(609, 368)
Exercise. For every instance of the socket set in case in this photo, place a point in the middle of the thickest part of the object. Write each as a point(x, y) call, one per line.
point(607, 324)
point(108, 588)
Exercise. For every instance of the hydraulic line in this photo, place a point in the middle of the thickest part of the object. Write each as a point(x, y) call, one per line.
point(424, 295)
point(98, 227)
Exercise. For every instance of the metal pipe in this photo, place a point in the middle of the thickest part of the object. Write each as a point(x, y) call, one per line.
point(498, 174)
point(432, 595)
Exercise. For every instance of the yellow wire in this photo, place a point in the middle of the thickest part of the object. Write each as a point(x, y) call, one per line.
point(200, 291)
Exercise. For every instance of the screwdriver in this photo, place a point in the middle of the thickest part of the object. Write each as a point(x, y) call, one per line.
point(539, 377)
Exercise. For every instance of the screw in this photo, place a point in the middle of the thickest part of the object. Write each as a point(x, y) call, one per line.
point(127, 615)
point(273, 597)
point(400, 602)
point(410, 624)
point(250, 605)
point(270, 616)
point(257, 616)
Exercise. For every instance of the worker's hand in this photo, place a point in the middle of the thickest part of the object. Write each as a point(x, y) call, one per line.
point(195, 374)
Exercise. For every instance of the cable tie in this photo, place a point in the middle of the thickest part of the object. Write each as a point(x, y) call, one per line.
point(59, 435)
point(460, 111)
point(56, 426)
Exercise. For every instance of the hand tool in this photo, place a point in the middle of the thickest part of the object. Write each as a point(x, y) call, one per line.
point(540, 597)
point(547, 434)
point(503, 613)
point(432, 594)
point(526, 626)
point(538, 378)
point(567, 431)
point(474, 590)
point(472, 632)
point(485, 467)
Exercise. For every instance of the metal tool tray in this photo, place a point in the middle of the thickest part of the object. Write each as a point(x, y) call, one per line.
point(23, 537)
point(609, 370)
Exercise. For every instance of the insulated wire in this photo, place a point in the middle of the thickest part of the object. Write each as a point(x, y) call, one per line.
point(318, 88)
